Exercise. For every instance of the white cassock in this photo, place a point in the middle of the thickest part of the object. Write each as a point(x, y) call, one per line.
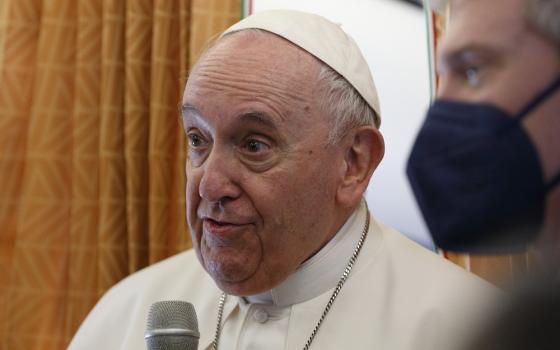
point(398, 296)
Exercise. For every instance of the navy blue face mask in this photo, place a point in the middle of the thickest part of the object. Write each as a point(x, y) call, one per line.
point(477, 177)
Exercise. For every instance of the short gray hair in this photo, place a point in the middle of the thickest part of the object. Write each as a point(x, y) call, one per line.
point(344, 105)
point(545, 16)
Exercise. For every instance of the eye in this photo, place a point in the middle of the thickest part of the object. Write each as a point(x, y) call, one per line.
point(195, 139)
point(472, 75)
point(255, 146)
point(198, 147)
point(255, 149)
point(258, 152)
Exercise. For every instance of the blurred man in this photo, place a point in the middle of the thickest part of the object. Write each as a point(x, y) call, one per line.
point(485, 167)
point(281, 116)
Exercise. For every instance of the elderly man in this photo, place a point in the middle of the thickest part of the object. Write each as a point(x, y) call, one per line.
point(486, 165)
point(281, 116)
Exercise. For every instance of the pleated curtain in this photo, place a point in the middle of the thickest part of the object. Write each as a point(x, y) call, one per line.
point(91, 151)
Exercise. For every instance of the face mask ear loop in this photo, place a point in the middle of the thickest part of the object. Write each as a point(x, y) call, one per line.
point(555, 181)
point(539, 99)
point(530, 106)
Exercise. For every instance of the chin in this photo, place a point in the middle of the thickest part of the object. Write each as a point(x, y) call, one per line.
point(240, 289)
point(235, 286)
point(250, 286)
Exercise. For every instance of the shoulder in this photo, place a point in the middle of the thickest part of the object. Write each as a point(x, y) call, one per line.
point(118, 320)
point(421, 294)
point(421, 265)
point(420, 279)
point(184, 265)
point(176, 276)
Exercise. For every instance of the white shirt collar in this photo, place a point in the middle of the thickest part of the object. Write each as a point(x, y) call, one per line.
point(322, 271)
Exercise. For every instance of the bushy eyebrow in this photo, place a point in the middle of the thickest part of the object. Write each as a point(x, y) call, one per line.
point(464, 55)
point(245, 118)
point(258, 118)
point(185, 108)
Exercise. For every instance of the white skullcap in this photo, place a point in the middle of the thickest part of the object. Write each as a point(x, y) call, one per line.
point(324, 40)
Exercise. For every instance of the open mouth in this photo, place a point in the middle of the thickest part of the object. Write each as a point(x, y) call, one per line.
point(214, 222)
point(220, 228)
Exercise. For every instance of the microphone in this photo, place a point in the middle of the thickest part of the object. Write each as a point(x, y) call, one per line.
point(172, 325)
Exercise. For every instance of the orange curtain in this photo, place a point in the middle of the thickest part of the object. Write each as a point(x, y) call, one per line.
point(91, 151)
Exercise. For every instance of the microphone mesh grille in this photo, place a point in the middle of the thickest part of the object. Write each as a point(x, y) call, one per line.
point(172, 314)
point(168, 315)
point(172, 343)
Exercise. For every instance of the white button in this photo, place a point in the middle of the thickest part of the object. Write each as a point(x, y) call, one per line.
point(260, 316)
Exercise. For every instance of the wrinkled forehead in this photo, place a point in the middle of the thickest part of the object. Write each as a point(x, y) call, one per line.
point(265, 54)
point(258, 72)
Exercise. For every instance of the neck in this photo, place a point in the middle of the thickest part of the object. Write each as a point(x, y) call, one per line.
point(321, 271)
point(340, 218)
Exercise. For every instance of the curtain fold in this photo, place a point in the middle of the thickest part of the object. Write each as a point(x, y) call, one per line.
point(91, 151)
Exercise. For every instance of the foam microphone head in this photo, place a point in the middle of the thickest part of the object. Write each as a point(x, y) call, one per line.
point(172, 325)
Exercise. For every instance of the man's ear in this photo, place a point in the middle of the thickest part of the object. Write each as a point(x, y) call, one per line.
point(363, 150)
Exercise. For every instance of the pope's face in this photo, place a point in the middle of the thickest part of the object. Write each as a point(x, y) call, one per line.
point(261, 179)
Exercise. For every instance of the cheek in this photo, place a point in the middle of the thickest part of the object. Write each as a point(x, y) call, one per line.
point(192, 203)
point(193, 181)
point(301, 202)
point(191, 192)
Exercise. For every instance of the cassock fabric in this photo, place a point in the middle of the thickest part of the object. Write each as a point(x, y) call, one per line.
point(399, 296)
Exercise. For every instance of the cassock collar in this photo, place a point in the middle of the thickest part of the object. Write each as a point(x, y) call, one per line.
point(313, 278)
point(321, 272)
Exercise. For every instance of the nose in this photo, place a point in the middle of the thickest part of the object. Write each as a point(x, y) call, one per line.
point(450, 87)
point(218, 182)
point(445, 87)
